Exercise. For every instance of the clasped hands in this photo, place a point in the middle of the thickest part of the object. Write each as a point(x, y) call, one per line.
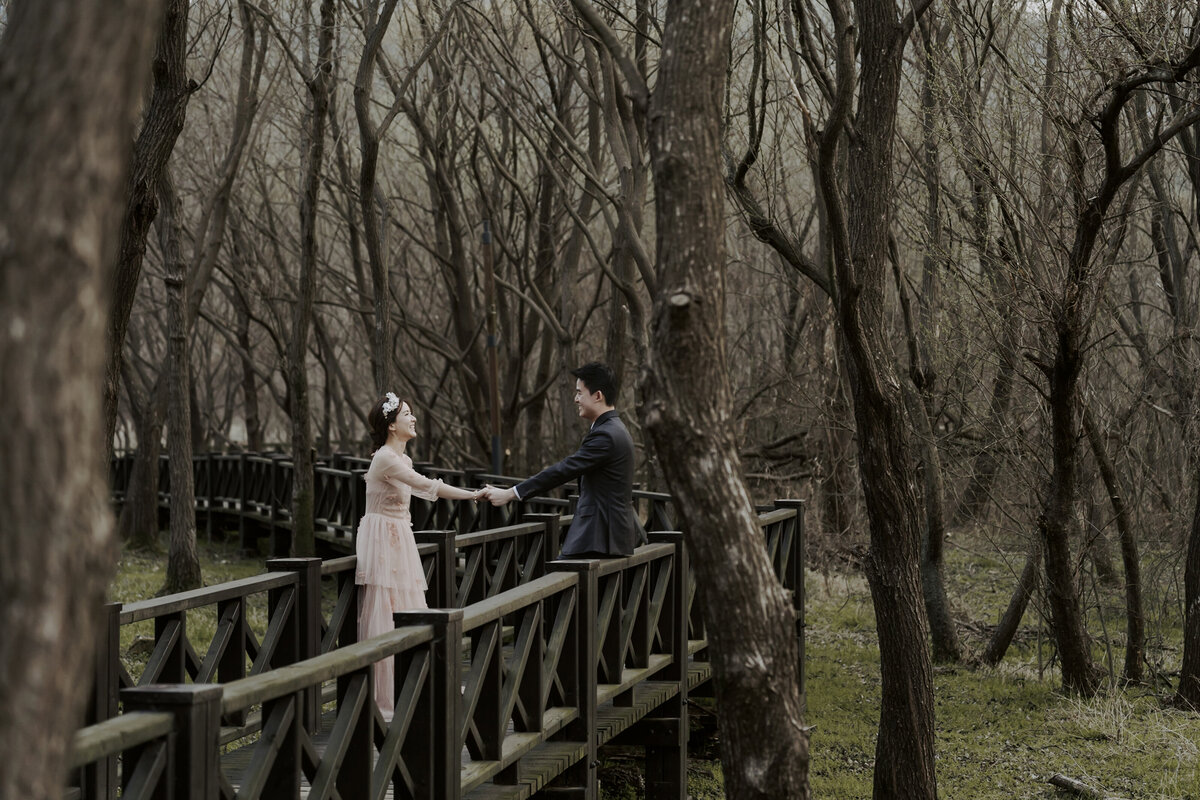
point(495, 495)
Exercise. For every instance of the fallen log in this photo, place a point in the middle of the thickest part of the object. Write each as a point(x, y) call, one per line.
point(1078, 787)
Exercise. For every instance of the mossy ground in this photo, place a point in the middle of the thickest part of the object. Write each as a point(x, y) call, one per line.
point(1000, 732)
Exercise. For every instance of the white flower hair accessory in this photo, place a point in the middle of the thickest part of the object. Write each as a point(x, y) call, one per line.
point(390, 404)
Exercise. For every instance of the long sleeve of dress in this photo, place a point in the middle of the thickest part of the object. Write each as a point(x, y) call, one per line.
point(397, 471)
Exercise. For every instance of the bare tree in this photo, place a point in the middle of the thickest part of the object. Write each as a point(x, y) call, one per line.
point(686, 411)
point(183, 562)
point(163, 122)
point(69, 83)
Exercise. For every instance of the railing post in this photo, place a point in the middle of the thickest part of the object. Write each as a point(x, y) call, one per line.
point(192, 765)
point(308, 629)
point(281, 534)
point(358, 501)
point(208, 479)
point(441, 589)
point(579, 781)
point(553, 524)
point(664, 733)
point(794, 580)
point(98, 781)
point(433, 747)
point(243, 479)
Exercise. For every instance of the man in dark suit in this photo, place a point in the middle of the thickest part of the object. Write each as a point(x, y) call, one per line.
point(604, 525)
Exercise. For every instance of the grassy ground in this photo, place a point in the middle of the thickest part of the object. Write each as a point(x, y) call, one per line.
point(1000, 732)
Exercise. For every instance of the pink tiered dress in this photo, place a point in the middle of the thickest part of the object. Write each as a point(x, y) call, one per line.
point(389, 567)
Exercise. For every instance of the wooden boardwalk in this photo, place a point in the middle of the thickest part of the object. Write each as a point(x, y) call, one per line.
point(538, 765)
point(508, 690)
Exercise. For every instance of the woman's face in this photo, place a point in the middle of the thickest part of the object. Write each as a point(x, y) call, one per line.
point(404, 425)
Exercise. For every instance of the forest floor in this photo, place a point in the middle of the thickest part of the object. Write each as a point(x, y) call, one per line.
point(1001, 733)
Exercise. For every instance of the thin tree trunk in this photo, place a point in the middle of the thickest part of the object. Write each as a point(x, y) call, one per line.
point(160, 130)
point(183, 562)
point(1057, 521)
point(1135, 618)
point(297, 367)
point(249, 378)
point(946, 647)
point(368, 196)
point(138, 524)
point(904, 752)
point(1188, 694)
point(1027, 584)
point(686, 410)
point(69, 82)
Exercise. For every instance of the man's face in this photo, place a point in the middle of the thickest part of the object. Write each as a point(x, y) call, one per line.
point(591, 404)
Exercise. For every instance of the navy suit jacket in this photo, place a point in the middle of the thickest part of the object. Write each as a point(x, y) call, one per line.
point(604, 521)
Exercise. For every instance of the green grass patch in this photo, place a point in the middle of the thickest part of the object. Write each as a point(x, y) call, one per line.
point(1001, 733)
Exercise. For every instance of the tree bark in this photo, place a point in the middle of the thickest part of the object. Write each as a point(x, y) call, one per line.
point(303, 486)
point(1188, 694)
point(923, 370)
point(69, 81)
point(687, 408)
point(138, 523)
point(904, 753)
point(160, 130)
point(183, 562)
point(1135, 618)
point(1027, 584)
point(375, 28)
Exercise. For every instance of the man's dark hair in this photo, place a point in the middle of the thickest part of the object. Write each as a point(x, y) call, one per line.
point(598, 377)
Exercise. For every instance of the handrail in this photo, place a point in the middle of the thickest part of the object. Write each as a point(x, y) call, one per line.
point(771, 517)
point(196, 598)
point(112, 736)
point(332, 566)
point(645, 553)
point(493, 608)
point(494, 534)
point(242, 694)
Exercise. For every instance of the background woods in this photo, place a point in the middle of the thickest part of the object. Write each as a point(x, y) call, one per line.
point(949, 280)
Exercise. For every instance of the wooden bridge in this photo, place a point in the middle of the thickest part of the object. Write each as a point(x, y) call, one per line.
point(507, 689)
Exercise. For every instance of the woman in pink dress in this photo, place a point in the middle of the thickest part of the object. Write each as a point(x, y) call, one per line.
point(389, 567)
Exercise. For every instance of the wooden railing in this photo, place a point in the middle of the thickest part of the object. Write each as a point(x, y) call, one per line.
point(470, 711)
point(526, 662)
point(253, 491)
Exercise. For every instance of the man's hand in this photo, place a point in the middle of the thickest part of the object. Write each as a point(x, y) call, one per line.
point(496, 495)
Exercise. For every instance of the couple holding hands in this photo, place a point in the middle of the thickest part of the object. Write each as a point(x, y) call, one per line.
point(389, 567)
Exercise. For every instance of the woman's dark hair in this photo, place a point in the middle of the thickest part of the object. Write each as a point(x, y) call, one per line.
point(598, 377)
point(378, 422)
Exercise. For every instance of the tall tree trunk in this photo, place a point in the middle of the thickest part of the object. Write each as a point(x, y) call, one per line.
point(303, 487)
point(249, 378)
point(687, 407)
point(1057, 520)
point(138, 524)
point(183, 563)
point(1188, 694)
point(375, 25)
point(904, 753)
point(163, 123)
point(1135, 618)
point(69, 83)
point(923, 370)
